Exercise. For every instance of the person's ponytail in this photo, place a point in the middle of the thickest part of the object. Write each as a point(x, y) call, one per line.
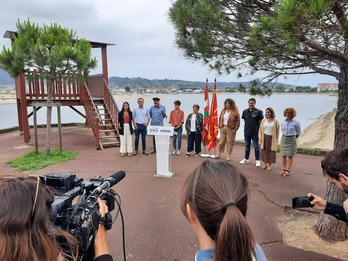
point(235, 240)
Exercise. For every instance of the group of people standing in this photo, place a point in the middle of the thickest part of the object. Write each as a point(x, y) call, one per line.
point(261, 130)
point(264, 133)
point(141, 117)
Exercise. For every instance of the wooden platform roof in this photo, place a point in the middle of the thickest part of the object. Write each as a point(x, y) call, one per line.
point(11, 34)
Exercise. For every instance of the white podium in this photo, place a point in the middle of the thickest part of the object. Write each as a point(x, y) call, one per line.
point(162, 134)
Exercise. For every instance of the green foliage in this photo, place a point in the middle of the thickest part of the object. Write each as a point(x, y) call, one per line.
point(32, 161)
point(282, 37)
point(52, 50)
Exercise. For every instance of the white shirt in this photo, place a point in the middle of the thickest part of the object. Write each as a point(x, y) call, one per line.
point(226, 115)
point(268, 127)
point(193, 122)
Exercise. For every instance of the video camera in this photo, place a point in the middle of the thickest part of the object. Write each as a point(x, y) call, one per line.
point(302, 202)
point(82, 218)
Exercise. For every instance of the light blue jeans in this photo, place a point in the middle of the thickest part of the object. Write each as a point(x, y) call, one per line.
point(177, 138)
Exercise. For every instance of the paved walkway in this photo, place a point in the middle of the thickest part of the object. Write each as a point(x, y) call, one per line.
point(154, 225)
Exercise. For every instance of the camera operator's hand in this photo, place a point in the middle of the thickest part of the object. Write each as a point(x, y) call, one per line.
point(100, 242)
point(318, 202)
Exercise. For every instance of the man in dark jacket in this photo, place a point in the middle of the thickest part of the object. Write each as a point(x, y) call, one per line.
point(335, 169)
point(252, 118)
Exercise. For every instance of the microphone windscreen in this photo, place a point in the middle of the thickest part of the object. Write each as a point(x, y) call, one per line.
point(116, 177)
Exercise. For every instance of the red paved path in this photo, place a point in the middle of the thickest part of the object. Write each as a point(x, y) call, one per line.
point(155, 227)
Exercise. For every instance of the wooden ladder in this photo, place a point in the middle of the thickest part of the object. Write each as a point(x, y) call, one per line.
point(108, 135)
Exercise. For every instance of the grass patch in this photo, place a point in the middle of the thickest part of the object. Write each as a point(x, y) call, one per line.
point(32, 161)
point(315, 152)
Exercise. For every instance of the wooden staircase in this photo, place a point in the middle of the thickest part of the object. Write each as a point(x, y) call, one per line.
point(101, 112)
point(108, 135)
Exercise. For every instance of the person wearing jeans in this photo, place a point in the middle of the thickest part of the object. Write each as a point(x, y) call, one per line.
point(141, 118)
point(176, 120)
point(252, 118)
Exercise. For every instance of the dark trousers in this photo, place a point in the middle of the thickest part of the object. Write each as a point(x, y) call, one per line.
point(194, 140)
point(143, 131)
point(254, 137)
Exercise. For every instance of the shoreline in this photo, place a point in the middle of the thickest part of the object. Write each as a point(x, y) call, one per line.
point(318, 135)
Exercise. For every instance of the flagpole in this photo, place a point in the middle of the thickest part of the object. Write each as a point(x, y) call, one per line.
point(206, 120)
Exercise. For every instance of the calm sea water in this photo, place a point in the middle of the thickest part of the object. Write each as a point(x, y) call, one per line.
point(308, 106)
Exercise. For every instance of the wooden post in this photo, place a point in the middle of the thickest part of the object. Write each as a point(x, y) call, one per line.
point(35, 130)
point(104, 63)
point(59, 128)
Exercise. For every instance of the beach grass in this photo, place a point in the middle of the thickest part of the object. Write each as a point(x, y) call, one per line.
point(32, 161)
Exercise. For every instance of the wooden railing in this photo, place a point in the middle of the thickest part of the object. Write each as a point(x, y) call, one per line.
point(91, 112)
point(64, 88)
point(99, 88)
point(111, 105)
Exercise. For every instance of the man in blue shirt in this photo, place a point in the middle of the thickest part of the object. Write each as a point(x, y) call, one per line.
point(141, 118)
point(157, 115)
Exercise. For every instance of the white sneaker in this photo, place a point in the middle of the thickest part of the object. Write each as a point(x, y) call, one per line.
point(258, 163)
point(178, 152)
point(173, 153)
point(244, 161)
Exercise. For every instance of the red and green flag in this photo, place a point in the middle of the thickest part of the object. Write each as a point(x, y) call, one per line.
point(213, 122)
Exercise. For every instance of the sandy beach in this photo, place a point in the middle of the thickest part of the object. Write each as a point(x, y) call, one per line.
point(319, 135)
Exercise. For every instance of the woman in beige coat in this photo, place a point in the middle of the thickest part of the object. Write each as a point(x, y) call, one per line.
point(229, 121)
point(268, 136)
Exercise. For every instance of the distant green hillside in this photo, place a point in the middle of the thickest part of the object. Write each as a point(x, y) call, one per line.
point(146, 83)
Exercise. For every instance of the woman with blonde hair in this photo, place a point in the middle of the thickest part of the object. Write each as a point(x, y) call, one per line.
point(268, 137)
point(215, 201)
point(291, 130)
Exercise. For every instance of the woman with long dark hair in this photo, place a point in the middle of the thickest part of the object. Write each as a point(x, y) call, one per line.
point(229, 122)
point(27, 233)
point(125, 121)
point(214, 200)
point(268, 137)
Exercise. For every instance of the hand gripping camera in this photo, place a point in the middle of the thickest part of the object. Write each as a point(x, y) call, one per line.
point(82, 218)
point(302, 202)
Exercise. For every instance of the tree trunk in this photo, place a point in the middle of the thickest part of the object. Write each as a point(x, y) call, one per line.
point(49, 116)
point(329, 226)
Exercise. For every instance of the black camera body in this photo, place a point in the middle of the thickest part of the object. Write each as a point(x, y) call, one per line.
point(302, 202)
point(82, 218)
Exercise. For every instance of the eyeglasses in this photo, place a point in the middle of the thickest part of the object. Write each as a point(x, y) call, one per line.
point(36, 195)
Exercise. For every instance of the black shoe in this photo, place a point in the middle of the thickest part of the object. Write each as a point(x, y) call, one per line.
point(135, 153)
point(153, 152)
point(145, 152)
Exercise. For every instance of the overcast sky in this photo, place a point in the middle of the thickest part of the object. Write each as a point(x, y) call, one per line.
point(140, 29)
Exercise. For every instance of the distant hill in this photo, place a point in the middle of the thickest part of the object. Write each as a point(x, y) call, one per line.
point(138, 82)
point(5, 78)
